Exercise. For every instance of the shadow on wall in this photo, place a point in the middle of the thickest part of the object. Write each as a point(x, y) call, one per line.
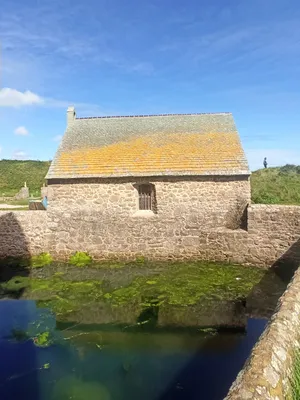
point(263, 299)
point(237, 216)
point(19, 361)
point(12, 242)
point(287, 264)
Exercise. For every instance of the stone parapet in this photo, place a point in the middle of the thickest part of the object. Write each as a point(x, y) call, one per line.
point(267, 373)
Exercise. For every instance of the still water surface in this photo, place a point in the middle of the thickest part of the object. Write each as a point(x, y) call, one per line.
point(161, 356)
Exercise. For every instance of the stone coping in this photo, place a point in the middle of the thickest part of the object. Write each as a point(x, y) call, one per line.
point(267, 372)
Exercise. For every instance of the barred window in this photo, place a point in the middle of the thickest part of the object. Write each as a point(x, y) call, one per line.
point(146, 197)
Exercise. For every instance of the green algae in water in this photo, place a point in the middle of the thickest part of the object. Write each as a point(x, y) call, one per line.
point(76, 389)
point(15, 284)
point(177, 284)
point(186, 284)
point(43, 339)
point(60, 295)
point(65, 297)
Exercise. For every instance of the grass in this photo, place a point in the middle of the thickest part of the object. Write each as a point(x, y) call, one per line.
point(279, 185)
point(15, 209)
point(295, 378)
point(21, 202)
point(13, 174)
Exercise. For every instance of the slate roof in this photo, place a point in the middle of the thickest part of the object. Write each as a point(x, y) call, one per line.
point(152, 145)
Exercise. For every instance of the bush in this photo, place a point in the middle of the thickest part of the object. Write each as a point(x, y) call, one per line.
point(80, 259)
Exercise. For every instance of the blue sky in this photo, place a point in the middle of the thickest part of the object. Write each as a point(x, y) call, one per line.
point(113, 57)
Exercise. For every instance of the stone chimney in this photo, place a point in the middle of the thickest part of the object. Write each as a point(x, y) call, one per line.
point(71, 115)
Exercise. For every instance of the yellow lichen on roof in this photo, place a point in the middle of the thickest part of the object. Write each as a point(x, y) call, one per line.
point(191, 152)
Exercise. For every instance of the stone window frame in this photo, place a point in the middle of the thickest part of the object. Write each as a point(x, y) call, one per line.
point(153, 207)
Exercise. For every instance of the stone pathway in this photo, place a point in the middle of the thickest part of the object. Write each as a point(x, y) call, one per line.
point(10, 206)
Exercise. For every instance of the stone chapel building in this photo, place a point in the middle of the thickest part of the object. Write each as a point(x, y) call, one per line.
point(138, 184)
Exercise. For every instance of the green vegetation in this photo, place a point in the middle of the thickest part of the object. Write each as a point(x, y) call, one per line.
point(41, 260)
point(43, 339)
point(295, 378)
point(140, 260)
point(186, 283)
point(279, 185)
point(16, 284)
point(21, 202)
point(179, 284)
point(13, 174)
point(80, 259)
point(63, 296)
point(73, 388)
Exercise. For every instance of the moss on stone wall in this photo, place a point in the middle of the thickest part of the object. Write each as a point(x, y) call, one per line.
point(80, 259)
point(41, 260)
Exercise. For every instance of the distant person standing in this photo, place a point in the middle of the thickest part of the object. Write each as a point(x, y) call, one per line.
point(265, 162)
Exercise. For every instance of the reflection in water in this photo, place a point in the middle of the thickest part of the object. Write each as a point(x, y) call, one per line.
point(158, 351)
point(96, 362)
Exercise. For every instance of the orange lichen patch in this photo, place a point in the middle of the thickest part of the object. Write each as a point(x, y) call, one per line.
point(199, 153)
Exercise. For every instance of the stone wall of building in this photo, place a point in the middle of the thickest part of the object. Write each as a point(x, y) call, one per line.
point(106, 223)
point(110, 223)
point(206, 201)
point(194, 219)
point(22, 233)
point(267, 373)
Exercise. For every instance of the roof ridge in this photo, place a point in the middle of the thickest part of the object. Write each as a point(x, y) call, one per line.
point(153, 115)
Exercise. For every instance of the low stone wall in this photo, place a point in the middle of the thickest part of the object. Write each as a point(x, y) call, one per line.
point(267, 373)
point(273, 232)
point(22, 233)
point(273, 236)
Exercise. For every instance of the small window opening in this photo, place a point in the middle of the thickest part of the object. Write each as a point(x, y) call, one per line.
point(146, 197)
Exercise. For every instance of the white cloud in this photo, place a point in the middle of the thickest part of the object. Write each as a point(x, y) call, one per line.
point(19, 155)
point(275, 157)
point(57, 138)
point(22, 131)
point(13, 98)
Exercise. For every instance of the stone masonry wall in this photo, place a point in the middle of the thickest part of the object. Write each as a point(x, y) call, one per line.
point(103, 218)
point(267, 373)
point(274, 231)
point(208, 201)
point(106, 224)
point(22, 233)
